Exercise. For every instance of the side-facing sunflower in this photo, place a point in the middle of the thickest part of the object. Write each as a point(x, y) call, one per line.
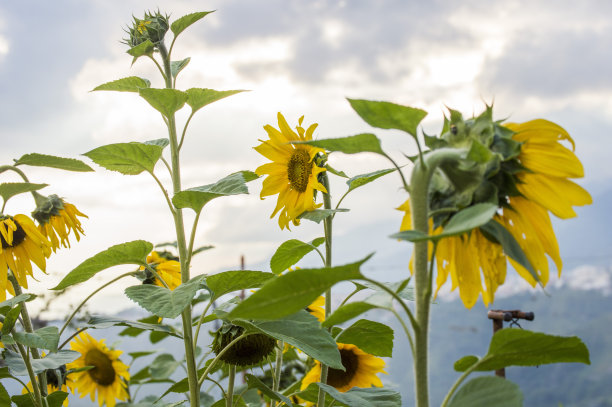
point(56, 219)
point(108, 375)
point(293, 172)
point(22, 244)
point(528, 185)
point(54, 378)
point(168, 270)
point(360, 370)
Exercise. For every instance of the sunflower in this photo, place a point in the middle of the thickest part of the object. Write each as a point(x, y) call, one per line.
point(293, 173)
point(168, 270)
point(56, 219)
point(360, 370)
point(22, 243)
point(108, 375)
point(542, 186)
point(1, 344)
point(53, 381)
point(317, 308)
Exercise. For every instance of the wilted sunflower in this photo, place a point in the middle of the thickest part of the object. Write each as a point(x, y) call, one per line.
point(541, 184)
point(107, 376)
point(168, 270)
point(56, 219)
point(293, 173)
point(360, 370)
point(22, 243)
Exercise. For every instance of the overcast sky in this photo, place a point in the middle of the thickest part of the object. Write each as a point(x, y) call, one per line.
point(532, 58)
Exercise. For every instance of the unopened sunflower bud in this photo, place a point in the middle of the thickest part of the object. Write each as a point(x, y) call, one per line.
point(152, 27)
point(247, 351)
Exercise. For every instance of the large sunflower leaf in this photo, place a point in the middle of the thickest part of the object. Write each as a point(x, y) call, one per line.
point(370, 336)
point(163, 302)
point(200, 97)
point(100, 322)
point(347, 312)
point(488, 391)
point(386, 115)
point(303, 331)
point(5, 399)
point(196, 198)
point(129, 84)
point(294, 291)
point(254, 383)
point(290, 252)
point(180, 24)
point(357, 397)
point(51, 361)
point(319, 215)
point(234, 280)
point(43, 338)
point(363, 179)
point(51, 161)
point(165, 101)
point(359, 143)
point(127, 158)
point(134, 252)
point(5, 306)
point(10, 189)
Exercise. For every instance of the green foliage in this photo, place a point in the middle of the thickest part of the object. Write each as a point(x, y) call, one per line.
point(386, 115)
point(228, 281)
point(200, 97)
point(179, 25)
point(5, 306)
point(62, 163)
point(196, 198)
point(127, 158)
point(134, 252)
point(363, 179)
point(359, 143)
point(52, 361)
point(177, 66)
point(356, 397)
point(163, 366)
point(290, 252)
point(294, 291)
point(9, 320)
point(99, 322)
point(488, 391)
point(145, 48)
point(370, 336)
point(319, 215)
point(5, 399)
point(163, 302)
point(166, 101)
point(254, 383)
point(10, 189)
point(43, 338)
point(347, 312)
point(129, 84)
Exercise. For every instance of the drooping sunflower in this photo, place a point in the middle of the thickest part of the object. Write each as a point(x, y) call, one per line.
point(108, 375)
point(22, 244)
point(56, 219)
point(168, 270)
point(293, 172)
point(360, 370)
point(539, 183)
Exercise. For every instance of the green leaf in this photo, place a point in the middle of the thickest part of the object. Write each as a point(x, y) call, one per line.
point(163, 302)
point(138, 355)
point(162, 142)
point(368, 397)
point(487, 391)
point(359, 143)
point(177, 66)
point(303, 331)
point(179, 25)
point(363, 179)
point(347, 312)
point(62, 163)
point(5, 399)
point(371, 337)
point(411, 235)
point(56, 399)
point(163, 366)
point(335, 171)
point(165, 101)
point(196, 198)
point(11, 302)
point(228, 281)
point(294, 291)
point(319, 215)
point(129, 84)
point(511, 247)
point(124, 253)
point(51, 361)
point(23, 400)
point(43, 338)
point(465, 363)
point(518, 347)
point(100, 322)
point(10, 319)
point(200, 97)
point(290, 252)
point(126, 158)
point(386, 115)
point(479, 153)
point(254, 383)
point(10, 189)
point(144, 48)
point(236, 402)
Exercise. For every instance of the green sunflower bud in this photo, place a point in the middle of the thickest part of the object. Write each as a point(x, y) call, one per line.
point(247, 351)
point(152, 27)
point(47, 206)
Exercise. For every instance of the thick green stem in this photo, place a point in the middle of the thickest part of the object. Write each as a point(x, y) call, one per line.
point(229, 397)
point(192, 374)
point(28, 364)
point(328, 262)
point(419, 185)
point(278, 367)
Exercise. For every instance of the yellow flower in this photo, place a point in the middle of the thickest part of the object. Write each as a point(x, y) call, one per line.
point(22, 244)
point(53, 384)
point(544, 186)
point(56, 219)
point(168, 270)
point(1, 344)
point(292, 174)
point(360, 370)
point(317, 308)
point(108, 375)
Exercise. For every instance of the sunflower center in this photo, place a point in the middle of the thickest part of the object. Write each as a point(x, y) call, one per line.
point(19, 235)
point(299, 169)
point(103, 373)
point(336, 377)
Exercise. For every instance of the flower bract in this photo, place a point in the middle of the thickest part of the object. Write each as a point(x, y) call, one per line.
point(293, 172)
point(106, 380)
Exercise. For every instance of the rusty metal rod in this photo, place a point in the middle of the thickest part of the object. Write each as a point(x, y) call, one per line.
point(499, 316)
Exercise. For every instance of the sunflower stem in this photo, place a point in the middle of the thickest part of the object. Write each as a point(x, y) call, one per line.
point(280, 346)
point(229, 397)
point(457, 383)
point(328, 262)
point(194, 385)
point(28, 364)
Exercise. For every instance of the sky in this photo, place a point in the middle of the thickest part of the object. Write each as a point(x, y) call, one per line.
point(531, 59)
